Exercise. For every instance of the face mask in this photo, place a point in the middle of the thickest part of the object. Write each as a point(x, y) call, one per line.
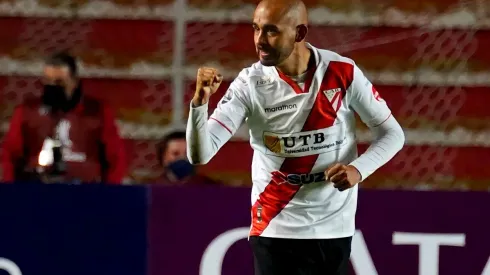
point(54, 96)
point(181, 168)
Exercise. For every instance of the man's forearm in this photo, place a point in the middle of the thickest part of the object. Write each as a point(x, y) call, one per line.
point(389, 140)
point(204, 136)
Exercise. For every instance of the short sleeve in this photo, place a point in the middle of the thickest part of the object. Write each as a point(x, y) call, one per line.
point(366, 101)
point(234, 106)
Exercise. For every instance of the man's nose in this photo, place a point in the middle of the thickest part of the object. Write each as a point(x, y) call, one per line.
point(262, 39)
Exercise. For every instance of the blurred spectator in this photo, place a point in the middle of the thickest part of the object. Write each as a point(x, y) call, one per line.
point(177, 169)
point(64, 133)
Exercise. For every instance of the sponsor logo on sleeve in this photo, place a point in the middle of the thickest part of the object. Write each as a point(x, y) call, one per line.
point(242, 80)
point(227, 97)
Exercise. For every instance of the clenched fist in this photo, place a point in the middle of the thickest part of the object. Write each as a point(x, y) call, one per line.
point(342, 176)
point(208, 81)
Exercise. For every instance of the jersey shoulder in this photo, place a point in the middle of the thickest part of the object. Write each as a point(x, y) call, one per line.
point(255, 70)
point(239, 88)
point(254, 78)
point(341, 67)
point(328, 56)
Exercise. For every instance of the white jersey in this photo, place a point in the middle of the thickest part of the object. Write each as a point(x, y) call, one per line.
point(297, 132)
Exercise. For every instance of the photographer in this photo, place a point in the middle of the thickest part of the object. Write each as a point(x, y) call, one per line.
point(64, 136)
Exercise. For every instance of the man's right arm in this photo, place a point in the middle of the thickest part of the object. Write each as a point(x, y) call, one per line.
point(12, 146)
point(205, 136)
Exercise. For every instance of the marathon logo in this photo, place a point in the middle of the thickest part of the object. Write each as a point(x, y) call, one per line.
point(305, 143)
point(281, 108)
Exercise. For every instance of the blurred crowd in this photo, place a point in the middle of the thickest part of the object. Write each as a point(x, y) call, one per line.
point(66, 136)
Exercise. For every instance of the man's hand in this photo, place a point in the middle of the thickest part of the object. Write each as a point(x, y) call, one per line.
point(343, 176)
point(208, 81)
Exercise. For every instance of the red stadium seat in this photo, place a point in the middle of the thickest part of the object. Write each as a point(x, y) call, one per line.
point(105, 43)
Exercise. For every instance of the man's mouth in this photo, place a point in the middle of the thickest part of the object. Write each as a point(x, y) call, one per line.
point(263, 53)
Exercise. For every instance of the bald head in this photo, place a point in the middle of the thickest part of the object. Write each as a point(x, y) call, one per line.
point(280, 28)
point(288, 11)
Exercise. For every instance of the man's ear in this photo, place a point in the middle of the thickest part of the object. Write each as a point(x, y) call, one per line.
point(301, 31)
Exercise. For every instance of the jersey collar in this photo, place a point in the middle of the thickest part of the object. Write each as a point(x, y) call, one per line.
point(309, 77)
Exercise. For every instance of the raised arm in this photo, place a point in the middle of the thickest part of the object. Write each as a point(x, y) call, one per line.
point(206, 135)
point(373, 111)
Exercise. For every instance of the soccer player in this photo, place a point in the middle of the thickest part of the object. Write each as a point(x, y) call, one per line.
point(299, 103)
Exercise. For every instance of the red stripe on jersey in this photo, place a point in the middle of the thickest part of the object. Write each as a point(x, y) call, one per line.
point(278, 193)
point(309, 78)
point(339, 75)
point(383, 120)
point(222, 124)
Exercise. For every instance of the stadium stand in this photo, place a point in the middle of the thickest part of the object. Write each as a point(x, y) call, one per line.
point(428, 58)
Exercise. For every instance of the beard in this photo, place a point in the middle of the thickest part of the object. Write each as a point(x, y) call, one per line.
point(269, 56)
point(268, 63)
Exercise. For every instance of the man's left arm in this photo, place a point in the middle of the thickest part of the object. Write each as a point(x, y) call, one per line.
point(389, 138)
point(373, 111)
point(115, 154)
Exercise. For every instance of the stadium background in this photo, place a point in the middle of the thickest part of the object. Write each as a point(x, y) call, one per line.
point(428, 58)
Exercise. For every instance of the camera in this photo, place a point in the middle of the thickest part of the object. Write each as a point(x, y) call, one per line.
point(51, 166)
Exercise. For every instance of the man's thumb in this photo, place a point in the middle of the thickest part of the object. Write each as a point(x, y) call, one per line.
point(207, 91)
point(217, 82)
point(219, 78)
